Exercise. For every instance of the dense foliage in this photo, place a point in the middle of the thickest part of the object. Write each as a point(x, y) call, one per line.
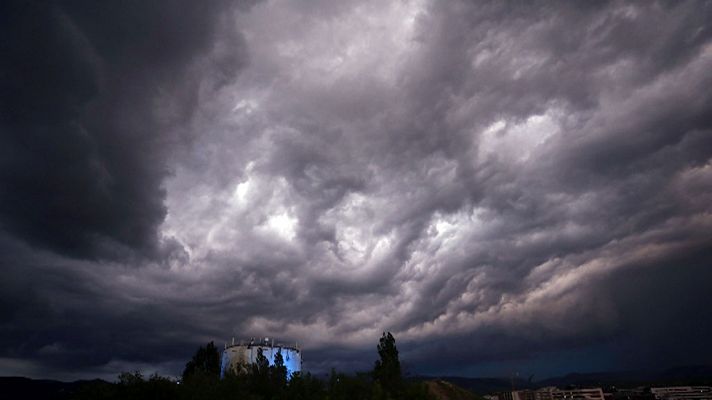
point(205, 362)
point(201, 380)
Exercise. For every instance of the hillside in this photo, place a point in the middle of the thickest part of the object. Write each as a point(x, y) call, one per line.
point(483, 386)
point(444, 390)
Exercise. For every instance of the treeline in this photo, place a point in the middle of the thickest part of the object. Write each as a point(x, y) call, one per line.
point(201, 380)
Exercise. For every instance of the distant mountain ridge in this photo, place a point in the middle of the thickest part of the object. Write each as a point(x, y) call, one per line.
point(688, 375)
point(46, 389)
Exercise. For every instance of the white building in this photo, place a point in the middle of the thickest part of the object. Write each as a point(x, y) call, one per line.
point(682, 393)
point(577, 394)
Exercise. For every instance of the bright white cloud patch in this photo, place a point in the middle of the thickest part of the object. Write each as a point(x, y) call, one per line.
point(515, 142)
point(282, 224)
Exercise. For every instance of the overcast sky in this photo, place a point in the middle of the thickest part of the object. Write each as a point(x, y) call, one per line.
point(505, 186)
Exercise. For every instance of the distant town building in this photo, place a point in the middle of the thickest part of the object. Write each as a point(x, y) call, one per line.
point(545, 393)
point(637, 393)
point(505, 395)
point(518, 395)
point(552, 393)
point(682, 393)
point(578, 394)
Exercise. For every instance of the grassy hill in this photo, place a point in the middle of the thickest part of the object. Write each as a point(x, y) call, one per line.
point(444, 390)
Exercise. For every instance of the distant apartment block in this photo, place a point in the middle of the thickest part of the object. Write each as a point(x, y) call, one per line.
point(637, 393)
point(517, 395)
point(552, 393)
point(682, 393)
point(577, 394)
point(545, 393)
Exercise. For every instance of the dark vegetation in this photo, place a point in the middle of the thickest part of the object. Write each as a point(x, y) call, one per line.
point(339, 386)
point(201, 380)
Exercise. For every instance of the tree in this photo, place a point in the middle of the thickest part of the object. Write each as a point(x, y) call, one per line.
point(387, 370)
point(260, 376)
point(277, 377)
point(306, 387)
point(205, 362)
point(261, 366)
point(130, 378)
point(278, 359)
point(278, 372)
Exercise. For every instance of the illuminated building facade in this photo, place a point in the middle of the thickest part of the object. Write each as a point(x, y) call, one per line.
point(237, 357)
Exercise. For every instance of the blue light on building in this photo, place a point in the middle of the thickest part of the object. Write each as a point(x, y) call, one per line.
point(237, 357)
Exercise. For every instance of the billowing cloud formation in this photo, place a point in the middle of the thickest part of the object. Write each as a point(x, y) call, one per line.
point(494, 183)
point(94, 95)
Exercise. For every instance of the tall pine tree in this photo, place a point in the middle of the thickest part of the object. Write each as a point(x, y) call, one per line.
point(387, 370)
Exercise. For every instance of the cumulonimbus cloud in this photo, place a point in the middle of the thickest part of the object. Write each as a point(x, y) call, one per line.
point(479, 179)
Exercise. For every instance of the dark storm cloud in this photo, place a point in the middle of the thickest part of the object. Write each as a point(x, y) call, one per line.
point(495, 183)
point(93, 99)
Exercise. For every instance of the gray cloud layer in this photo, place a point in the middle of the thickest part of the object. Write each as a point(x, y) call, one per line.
point(494, 183)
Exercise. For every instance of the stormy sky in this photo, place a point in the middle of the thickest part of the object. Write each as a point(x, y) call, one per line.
point(505, 186)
